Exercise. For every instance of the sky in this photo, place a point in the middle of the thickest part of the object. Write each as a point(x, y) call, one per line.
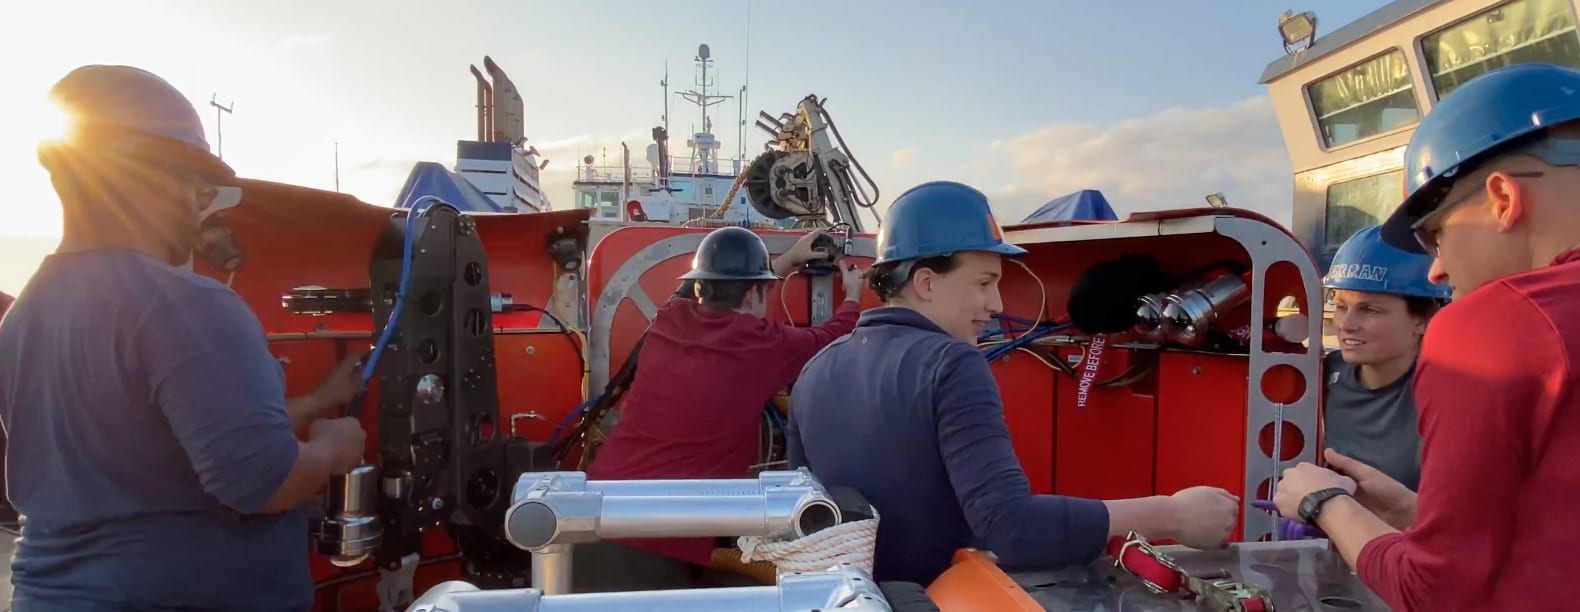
point(1155, 103)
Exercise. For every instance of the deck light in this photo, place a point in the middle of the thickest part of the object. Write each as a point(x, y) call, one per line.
point(1297, 29)
point(1216, 200)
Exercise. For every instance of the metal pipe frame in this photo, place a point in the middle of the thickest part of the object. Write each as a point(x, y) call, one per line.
point(551, 512)
point(845, 588)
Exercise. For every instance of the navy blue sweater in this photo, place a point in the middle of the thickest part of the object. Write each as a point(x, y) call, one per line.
point(911, 418)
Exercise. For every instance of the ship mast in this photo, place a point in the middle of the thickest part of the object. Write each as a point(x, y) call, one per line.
point(703, 143)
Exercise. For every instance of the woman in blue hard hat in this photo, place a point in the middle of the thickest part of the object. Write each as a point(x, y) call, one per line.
point(1492, 174)
point(1382, 301)
point(944, 476)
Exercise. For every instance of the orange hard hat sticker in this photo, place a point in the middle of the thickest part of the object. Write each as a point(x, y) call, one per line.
point(998, 234)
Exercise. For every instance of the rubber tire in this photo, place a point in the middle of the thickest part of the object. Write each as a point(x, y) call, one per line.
point(907, 597)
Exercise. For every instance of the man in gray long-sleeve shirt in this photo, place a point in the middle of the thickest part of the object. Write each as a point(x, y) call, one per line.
point(905, 410)
point(150, 446)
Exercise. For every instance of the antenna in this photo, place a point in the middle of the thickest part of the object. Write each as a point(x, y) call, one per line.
point(703, 99)
point(665, 84)
point(740, 132)
point(337, 167)
point(219, 121)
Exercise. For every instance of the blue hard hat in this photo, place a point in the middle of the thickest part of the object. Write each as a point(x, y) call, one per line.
point(940, 218)
point(1471, 123)
point(1366, 263)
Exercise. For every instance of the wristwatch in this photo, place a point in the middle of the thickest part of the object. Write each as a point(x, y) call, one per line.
point(1311, 506)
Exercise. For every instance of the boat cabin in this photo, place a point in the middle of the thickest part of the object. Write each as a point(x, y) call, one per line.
point(1347, 102)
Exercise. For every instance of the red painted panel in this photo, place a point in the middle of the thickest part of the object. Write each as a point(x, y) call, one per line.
point(1106, 450)
point(539, 374)
point(1201, 422)
point(1027, 390)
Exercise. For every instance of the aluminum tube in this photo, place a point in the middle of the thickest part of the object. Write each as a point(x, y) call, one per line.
point(728, 486)
point(718, 516)
point(687, 600)
point(845, 588)
point(551, 569)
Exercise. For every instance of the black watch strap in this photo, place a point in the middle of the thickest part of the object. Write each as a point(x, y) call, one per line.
point(1311, 506)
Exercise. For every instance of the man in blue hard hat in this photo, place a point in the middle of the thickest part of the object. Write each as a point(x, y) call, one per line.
point(150, 442)
point(945, 476)
point(1382, 301)
point(1492, 175)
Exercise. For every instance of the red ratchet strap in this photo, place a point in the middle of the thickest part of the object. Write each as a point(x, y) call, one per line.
point(1163, 576)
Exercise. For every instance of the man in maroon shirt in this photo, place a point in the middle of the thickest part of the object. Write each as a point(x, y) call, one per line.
point(1492, 184)
point(709, 366)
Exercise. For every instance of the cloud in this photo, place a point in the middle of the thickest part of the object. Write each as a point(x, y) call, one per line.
point(903, 158)
point(1168, 160)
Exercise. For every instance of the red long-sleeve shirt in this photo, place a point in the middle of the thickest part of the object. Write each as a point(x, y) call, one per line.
point(702, 381)
point(1498, 517)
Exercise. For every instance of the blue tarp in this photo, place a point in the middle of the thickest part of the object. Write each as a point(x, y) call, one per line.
point(432, 179)
point(1083, 205)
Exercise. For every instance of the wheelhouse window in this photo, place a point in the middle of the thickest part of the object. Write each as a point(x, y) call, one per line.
point(1518, 32)
point(586, 199)
point(1370, 98)
point(609, 204)
point(1361, 203)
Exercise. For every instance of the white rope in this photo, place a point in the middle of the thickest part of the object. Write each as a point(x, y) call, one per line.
point(851, 543)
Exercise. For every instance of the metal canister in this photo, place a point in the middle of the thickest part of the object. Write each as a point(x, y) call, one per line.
point(349, 531)
point(1189, 314)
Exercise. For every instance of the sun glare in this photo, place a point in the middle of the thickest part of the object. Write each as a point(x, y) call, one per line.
point(47, 122)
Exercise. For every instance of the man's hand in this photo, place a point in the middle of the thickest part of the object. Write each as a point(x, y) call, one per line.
point(338, 388)
point(342, 383)
point(1203, 516)
point(1305, 479)
point(799, 253)
point(1379, 493)
point(850, 275)
point(343, 438)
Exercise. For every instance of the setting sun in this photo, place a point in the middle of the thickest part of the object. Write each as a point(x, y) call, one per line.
point(41, 121)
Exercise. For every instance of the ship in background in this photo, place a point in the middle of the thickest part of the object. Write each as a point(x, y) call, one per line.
point(686, 190)
point(499, 172)
point(800, 179)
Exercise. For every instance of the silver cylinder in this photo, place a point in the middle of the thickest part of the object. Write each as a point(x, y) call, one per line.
point(722, 486)
point(844, 588)
point(1149, 317)
point(551, 569)
point(1190, 313)
point(354, 492)
point(791, 515)
point(583, 517)
point(349, 531)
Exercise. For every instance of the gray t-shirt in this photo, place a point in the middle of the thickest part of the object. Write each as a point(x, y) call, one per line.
point(1375, 426)
point(147, 428)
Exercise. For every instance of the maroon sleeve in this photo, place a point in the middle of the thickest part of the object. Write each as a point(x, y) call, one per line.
point(799, 344)
point(1488, 364)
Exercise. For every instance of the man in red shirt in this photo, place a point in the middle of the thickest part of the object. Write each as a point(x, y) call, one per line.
point(708, 368)
point(1491, 193)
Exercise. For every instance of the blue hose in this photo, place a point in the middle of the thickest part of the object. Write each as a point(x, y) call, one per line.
point(417, 208)
point(1000, 350)
point(555, 437)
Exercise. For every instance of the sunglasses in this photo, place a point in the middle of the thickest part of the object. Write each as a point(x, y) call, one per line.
point(1558, 152)
point(1426, 229)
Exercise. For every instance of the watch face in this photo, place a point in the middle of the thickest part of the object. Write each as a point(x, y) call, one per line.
point(1310, 506)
